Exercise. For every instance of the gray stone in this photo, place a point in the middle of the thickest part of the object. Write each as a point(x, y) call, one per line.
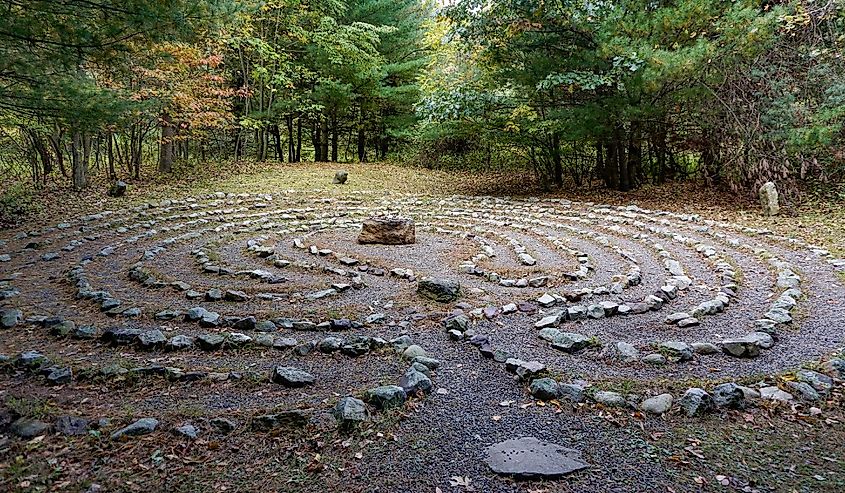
point(414, 381)
point(577, 312)
point(143, 426)
point(457, 322)
point(388, 231)
point(386, 397)
point(627, 352)
point(688, 322)
point(340, 177)
point(440, 290)
point(677, 350)
point(223, 425)
point(595, 311)
point(247, 323)
point(210, 342)
point(330, 344)
point(804, 390)
point(658, 404)
point(655, 359)
point(549, 334)
point(151, 339)
point(545, 389)
point(571, 392)
point(773, 393)
point(71, 425)
point(529, 457)
point(548, 321)
point(291, 377)
point(546, 300)
point(413, 351)
point(610, 399)
point(570, 342)
point(349, 411)
point(741, 348)
point(769, 199)
point(10, 317)
point(819, 381)
point(696, 401)
point(234, 295)
point(117, 189)
point(430, 363)
point(31, 360)
point(28, 428)
point(59, 375)
point(728, 395)
point(179, 342)
point(187, 430)
point(704, 348)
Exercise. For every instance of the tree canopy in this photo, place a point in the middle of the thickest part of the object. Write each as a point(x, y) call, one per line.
point(613, 93)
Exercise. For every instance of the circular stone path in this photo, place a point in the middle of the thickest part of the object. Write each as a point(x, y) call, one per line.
point(262, 312)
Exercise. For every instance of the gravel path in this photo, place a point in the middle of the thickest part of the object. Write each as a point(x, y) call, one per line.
point(137, 255)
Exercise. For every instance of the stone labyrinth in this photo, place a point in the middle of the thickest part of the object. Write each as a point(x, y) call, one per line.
point(276, 291)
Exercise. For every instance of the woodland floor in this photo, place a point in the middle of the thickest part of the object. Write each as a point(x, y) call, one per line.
point(434, 443)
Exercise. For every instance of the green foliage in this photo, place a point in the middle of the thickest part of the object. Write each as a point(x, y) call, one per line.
point(16, 201)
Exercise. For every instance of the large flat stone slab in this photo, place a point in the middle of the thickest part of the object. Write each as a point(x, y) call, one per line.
point(528, 457)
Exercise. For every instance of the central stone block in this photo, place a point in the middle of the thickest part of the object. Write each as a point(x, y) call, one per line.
point(388, 231)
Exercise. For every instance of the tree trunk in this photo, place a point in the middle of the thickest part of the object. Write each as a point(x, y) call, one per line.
point(291, 150)
point(277, 143)
point(298, 156)
point(556, 160)
point(56, 142)
point(110, 154)
point(324, 138)
point(334, 137)
point(165, 150)
point(79, 165)
point(611, 165)
point(635, 157)
point(622, 157)
point(316, 139)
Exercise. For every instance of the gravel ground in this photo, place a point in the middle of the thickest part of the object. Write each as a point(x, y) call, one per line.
point(433, 440)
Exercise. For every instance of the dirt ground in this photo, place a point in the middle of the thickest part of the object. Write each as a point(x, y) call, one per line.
point(435, 442)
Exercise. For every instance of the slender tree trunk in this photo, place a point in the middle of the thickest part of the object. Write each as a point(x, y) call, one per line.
point(110, 153)
point(277, 143)
point(291, 149)
point(56, 142)
point(316, 140)
point(334, 137)
point(298, 156)
point(634, 157)
point(556, 159)
point(612, 164)
point(165, 150)
point(324, 138)
point(79, 165)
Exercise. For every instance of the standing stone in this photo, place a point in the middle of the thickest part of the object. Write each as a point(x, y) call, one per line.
point(388, 231)
point(340, 177)
point(769, 199)
point(118, 189)
point(529, 457)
